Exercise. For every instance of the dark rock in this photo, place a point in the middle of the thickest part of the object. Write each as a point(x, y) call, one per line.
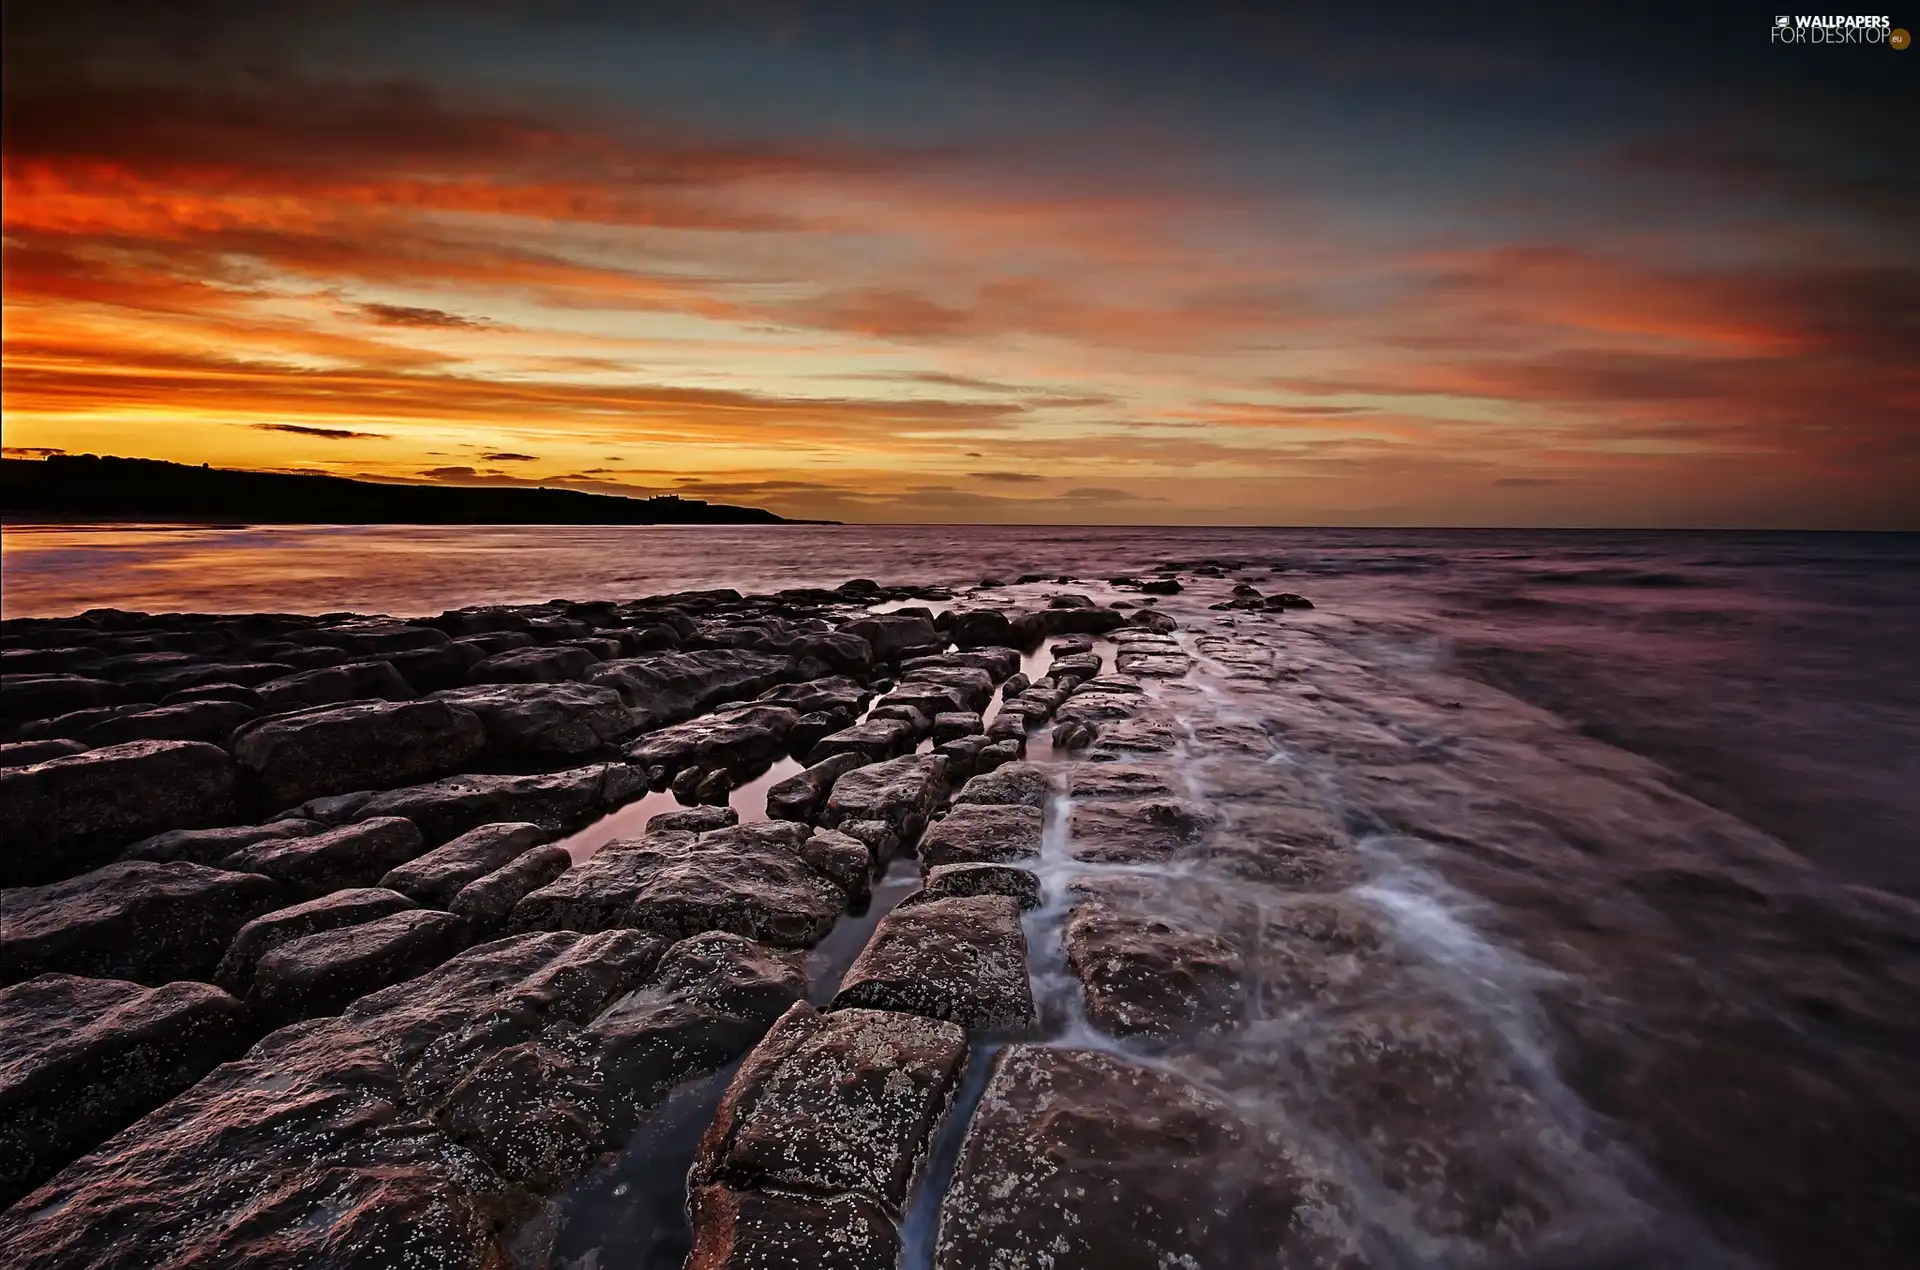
point(1146, 831)
point(1069, 737)
point(872, 740)
point(1080, 1158)
point(983, 833)
point(810, 729)
point(946, 881)
point(714, 788)
point(216, 692)
point(955, 724)
point(1148, 975)
point(321, 973)
point(686, 784)
point(48, 661)
point(209, 721)
point(333, 809)
point(802, 795)
point(912, 716)
point(486, 903)
point(739, 741)
point(27, 753)
point(752, 880)
point(1077, 666)
point(973, 688)
point(440, 1026)
point(211, 846)
point(1153, 620)
point(999, 753)
point(45, 696)
point(1161, 586)
point(1070, 601)
point(693, 820)
point(68, 814)
point(1288, 600)
point(982, 628)
point(435, 878)
point(834, 695)
point(962, 755)
point(352, 855)
point(894, 636)
point(374, 638)
point(962, 959)
point(842, 652)
point(929, 699)
point(1025, 784)
point(668, 687)
point(542, 1110)
point(1092, 621)
point(844, 860)
point(151, 923)
point(80, 1059)
point(557, 720)
point(1093, 781)
point(379, 744)
point(748, 1230)
point(270, 930)
point(557, 801)
point(534, 666)
point(845, 1103)
point(900, 792)
point(333, 685)
point(233, 1172)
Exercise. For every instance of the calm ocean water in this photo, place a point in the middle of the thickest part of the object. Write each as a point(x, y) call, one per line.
point(1776, 676)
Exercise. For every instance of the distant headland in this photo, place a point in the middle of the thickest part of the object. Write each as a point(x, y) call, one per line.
point(89, 486)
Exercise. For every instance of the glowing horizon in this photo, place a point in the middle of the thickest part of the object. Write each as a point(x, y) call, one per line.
point(873, 270)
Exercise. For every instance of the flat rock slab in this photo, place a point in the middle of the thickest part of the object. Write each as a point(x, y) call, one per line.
point(533, 665)
point(321, 973)
point(870, 739)
point(1080, 1158)
point(210, 846)
point(1142, 831)
point(900, 792)
point(739, 740)
point(665, 688)
point(947, 881)
point(973, 686)
point(983, 833)
point(283, 925)
point(372, 745)
point(70, 814)
point(963, 960)
point(558, 801)
point(335, 685)
point(747, 1230)
point(802, 795)
point(301, 1154)
point(352, 855)
point(834, 1104)
point(81, 1059)
point(753, 880)
point(210, 721)
point(837, 694)
point(1097, 707)
point(139, 920)
point(1026, 784)
point(542, 1111)
point(542, 720)
point(486, 903)
point(1146, 975)
point(435, 878)
point(441, 1025)
point(1121, 780)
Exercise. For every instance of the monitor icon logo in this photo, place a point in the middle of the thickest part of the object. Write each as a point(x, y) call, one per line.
point(1783, 20)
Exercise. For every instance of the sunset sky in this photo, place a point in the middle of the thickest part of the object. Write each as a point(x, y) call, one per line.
point(980, 262)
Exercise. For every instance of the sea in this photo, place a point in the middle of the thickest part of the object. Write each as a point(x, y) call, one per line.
point(1644, 803)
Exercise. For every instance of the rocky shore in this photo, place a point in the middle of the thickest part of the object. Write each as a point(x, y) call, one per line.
point(317, 950)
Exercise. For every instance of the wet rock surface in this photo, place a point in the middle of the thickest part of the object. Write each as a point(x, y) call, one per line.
point(753, 880)
point(1339, 958)
point(830, 1105)
point(292, 758)
point(962, 959)
point(321, 973)
point(66, 815)
point(1077, 1157)
point(81, 1059)
point(138, 920)
point(315, 864)
point(435, 877)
